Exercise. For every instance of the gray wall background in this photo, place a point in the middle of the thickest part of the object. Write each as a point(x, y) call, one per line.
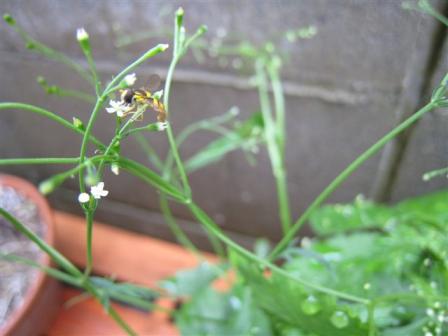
point(371, 64)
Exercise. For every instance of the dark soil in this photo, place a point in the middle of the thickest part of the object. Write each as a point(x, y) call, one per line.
point(16, 278)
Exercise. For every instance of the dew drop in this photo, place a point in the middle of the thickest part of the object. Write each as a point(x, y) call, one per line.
point(339, 319)
point(310, 306)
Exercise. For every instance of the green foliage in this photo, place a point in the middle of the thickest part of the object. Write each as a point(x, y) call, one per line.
point(394, 256)
point(214, 313)
point(298, 308)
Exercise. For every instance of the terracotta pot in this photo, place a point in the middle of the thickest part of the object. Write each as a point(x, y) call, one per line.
point(43, 298)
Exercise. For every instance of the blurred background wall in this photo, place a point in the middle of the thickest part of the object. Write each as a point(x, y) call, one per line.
point(370, 64)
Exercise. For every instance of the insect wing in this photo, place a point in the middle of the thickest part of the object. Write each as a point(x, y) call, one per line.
point(154, 82)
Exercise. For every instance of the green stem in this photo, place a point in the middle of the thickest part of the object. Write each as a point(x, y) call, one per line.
point(152, 178)
point(76, 94)
point(37, 161)
point(88, 131)
point(89, 255)
point(93, 71)
point(53, 272)
point(211, 124)
point(345, 174)
point(49, 115)
point(122, 323)
point(169, 131)
point(274, 149)
point(54, 254)
point(55, 55)
point(214, 229)
point(150, 152)
point(181, 237)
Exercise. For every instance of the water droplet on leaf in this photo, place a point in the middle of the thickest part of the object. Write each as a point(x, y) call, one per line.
point(310, 306)
point(339, 319)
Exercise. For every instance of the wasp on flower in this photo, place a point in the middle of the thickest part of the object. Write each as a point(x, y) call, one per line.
point(136, 101)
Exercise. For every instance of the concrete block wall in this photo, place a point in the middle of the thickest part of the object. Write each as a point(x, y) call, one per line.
point(370, 64)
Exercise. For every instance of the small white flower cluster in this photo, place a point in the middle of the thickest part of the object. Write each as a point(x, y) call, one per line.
point(96, 191)
point(118, 107)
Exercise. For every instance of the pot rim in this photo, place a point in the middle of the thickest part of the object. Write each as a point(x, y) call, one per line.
point(31, 295)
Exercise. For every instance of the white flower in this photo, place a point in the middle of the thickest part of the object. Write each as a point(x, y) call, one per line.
point(83, 197)
point(98, 191)
point(130, 79)
point(161, 126)
point(118, 107)
point(81, 34)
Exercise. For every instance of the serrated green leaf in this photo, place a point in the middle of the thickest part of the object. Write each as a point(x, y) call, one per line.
point(214, 313)
point(289, 302)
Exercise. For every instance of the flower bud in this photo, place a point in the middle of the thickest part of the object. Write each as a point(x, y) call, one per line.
point(47, 186)
point(161, 126)
point(115, 168)
point(83, 197)
point(42, 81)
point(9, 19)
point(83, 39)
point(78, 123)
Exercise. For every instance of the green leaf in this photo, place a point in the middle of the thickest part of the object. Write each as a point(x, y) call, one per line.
point(214, 313)
point(300, 308)
point(191, 282)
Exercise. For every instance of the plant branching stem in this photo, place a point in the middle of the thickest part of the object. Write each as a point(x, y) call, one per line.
point(273, 132)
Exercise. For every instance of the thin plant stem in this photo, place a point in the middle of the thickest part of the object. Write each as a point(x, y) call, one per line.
point(54, 254)
point(122, 323)
point(89, 255)
point(150, 152)
point(280, 175)
point(274, 149)
point(169, 131)
point(180, 235)
point(53, 54)
point(37, 161)
point(76, 94)
point(50, 115)
point(345, 174)
point(214, 229)
point(178, 50)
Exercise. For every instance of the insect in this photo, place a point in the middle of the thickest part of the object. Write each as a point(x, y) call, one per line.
point(144, 96)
